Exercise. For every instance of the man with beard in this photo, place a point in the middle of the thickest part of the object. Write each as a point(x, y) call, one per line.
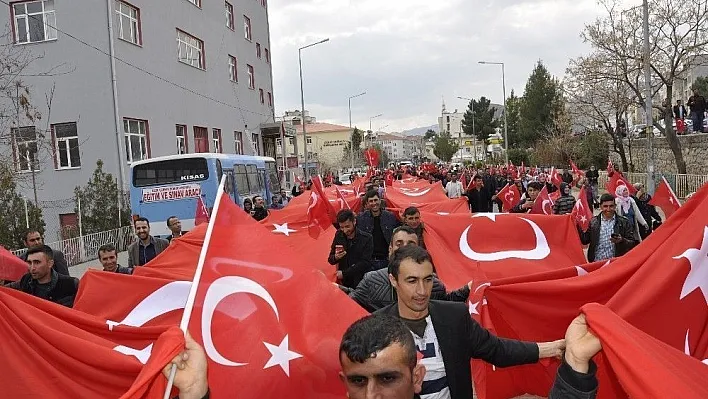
point(43, 281)
point(147, 247)
point(411, 218)
point(33, 239)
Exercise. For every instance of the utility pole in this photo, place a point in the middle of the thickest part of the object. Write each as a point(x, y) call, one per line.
point(647, 100)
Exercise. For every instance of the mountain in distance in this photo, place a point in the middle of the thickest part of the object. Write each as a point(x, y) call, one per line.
point(419, 131)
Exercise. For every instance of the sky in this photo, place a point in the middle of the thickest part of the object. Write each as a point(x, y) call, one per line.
point(407, 55)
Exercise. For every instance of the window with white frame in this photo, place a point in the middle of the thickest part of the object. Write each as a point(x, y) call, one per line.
point(251, 77)
point(216, 139)
point(35, 21)
point(181, 135)
point(197, 3)
point(66, 145)
point(261, 96)
point(279, 145)
point(256, 143)
point(229, 15)
point(247, 33)
point(258, 50)
point(136, 142)
point(238, 142)
point(190, 50)
point(128, 22)
point(25, 148)
point(309, 140)
point(233, 68)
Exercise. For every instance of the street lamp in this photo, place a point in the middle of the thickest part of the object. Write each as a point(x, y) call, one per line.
point(302, 100)
point(506, 131)
point(372, 118)
point(351, 145)
point(647, 100)
point(474, 138)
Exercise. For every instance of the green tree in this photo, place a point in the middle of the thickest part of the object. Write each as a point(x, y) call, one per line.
point(357, 137)
point(99, 203)
point(430, 134)
point(479, 119)
point(518, 155)
point(12, 212)
point(538, 106)
point(701, 83)
point(513, 119)
point(445, 147)
point(592, 150)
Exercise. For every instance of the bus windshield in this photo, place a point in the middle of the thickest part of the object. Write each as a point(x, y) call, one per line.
point(170, 172)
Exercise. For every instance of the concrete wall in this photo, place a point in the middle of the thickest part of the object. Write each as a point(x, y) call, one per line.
point(694, 148)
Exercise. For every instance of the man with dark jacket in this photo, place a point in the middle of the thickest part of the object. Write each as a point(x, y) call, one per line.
point(381, 345)
point(445, 333)
point(147, 247)
point(593, 175)
point(610, 235)
point(565, 203)
point(33, 239)
point(479, 196)
point(259, 210)
point(351, 250)
point(43, 281)
point(567, 177)
point(698, 109)
point(411, 218)
point(108, 257)
point(380, 224)
point(526, 204)
point(375, 290)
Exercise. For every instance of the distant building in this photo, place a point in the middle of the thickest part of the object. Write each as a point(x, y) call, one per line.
point(294, 117)
point(398, 148)
point(325, 147)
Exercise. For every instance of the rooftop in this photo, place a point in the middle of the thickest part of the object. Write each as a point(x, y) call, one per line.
point(322, 128)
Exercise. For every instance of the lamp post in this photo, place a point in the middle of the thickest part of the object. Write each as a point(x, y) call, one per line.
point(474, 137)
point(506, 131)
point(647, 100)
point(371, 119)
point(351, 142)
point(302, 100)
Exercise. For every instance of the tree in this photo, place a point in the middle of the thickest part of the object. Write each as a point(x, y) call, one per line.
point(678, 35)
point(513, 119)
point(99, 203)
point(701, 84)
point(592, 150)
point(12, 212)
point(357, 138)
point(430, 134)
point(479, 119)
point(519, 155)
point(445, 147)
point(538, 106)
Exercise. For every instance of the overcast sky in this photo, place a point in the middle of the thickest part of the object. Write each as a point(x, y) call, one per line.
point(409, 54)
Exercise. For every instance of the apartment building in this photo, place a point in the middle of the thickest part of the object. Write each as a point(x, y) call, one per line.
point(168, 77)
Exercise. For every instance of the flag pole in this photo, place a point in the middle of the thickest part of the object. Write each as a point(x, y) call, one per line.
point(195, 281)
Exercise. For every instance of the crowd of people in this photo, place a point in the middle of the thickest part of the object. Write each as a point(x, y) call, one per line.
point(419, 340)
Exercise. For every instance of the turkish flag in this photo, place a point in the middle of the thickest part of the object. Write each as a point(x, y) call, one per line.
point(575, 169)
point(582, 213)
point(554, 177)
point(543, 204)
point(659, 287)
point(618, 179)
point(463, 180)
point(415, 195)
point(457, 205)
point(320, 213)
point(610, 167)
point(372, 157)
point(202, 214)
point(265, 316)
point(388, 180)
point(490, 245)
point(509, 196)
point(43, 343)
point(522, 170)
point(665, 198)
point(12, 268)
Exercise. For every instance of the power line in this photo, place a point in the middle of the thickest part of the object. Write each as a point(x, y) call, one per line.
point(145, 71)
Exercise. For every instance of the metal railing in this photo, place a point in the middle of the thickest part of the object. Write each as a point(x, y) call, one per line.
point(682, 184)
point(85, 248)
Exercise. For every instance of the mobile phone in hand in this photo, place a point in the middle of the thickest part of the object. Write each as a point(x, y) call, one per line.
point(339, 248)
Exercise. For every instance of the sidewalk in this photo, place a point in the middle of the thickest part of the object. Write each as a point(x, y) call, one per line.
point(79, 270)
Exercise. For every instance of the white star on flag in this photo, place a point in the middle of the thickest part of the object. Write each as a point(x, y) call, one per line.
point(583, 219)
point(283, 228)
point(281, 356)
point(473, 306)
point(697, 278)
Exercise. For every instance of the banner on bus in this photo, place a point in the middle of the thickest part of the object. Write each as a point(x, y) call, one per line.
point(171, 193)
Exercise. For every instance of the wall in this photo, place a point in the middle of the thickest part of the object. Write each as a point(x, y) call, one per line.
point(694, 148)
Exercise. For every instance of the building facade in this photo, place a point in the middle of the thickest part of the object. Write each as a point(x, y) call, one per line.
point(325, 148)
point(398, 148)
point(134, 80)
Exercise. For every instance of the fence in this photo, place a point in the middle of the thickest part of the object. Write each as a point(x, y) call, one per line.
point(682, 184)
point(85, 248)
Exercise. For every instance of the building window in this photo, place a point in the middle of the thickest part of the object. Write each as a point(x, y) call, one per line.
point(66, 145)
point(279, 145)
point(247, 28)
point(35, 21)
point(233, 69)
point(309, 140)
point(229, 15)
point(270, 99)
point(25, 148)
point(251, 77)
point(261, 96)
point(238, 142)
point(216, 139)
point(128, 22)
point(267, 55)
point(290, 141)
point(258, 50)
point(201, 139)
point(256, 144)
point(136, 139)
point(181, 134)
point(190, 50)
point(448, 119)
point(197, 3)
point(264, 3)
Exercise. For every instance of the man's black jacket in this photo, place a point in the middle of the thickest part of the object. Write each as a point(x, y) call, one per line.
point(357, 262)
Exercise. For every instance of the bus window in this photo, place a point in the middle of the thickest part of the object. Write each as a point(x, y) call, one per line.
point(252, 174)
point(219, 171)
point(273, 179)
point(242, 180)
point(170, 172)
point(229, 183)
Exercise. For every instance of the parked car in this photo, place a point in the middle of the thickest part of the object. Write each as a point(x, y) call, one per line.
point(639, 131)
